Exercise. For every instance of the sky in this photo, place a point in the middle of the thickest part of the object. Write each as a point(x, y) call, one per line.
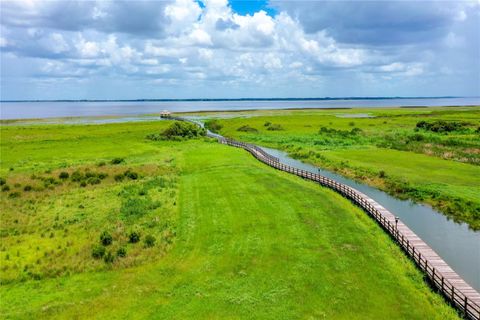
point(238, 49)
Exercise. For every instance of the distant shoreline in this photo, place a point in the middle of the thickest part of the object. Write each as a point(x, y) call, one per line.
point(236, 99)
point(153, 116)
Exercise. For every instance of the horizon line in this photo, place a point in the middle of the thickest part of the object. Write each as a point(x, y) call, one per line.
point(238, 99)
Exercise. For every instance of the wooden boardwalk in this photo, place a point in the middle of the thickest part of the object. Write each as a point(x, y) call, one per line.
point(449, 283)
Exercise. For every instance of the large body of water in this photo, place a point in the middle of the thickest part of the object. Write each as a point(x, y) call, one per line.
point(458, 245)
point(51, 109)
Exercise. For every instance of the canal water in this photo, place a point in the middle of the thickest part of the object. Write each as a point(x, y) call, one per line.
point(458, 245)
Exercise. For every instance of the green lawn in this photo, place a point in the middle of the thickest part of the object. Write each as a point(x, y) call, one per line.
point(249, 242)
point(383, 150)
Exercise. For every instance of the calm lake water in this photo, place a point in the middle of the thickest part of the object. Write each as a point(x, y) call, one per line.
point(455, 243)
point(29, 110)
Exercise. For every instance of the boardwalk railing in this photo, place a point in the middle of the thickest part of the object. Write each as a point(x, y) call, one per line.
point(445, 279)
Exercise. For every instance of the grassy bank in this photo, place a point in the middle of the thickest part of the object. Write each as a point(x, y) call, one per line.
point(388, 148)
point(233, 237)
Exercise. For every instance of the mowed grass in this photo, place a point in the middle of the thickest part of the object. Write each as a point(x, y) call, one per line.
point(250, 243)
point(385, 150)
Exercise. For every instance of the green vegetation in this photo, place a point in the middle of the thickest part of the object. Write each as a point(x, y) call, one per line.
point(441, 126)
point(177, 131)
point(204, 231)
point(429, 155)
point(247, 128)
point(213, 125)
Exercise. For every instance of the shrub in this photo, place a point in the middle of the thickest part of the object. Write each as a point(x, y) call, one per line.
point(356, 131)
point(5, 188)
point(50, 181)
point(177, 131)
point(441, 126)
point(351, 123)
point(266, 124)
point(102, 175)
point(247, 128)
point(90, 174)
point(14, 195)
point(131, 174)
point(27, 188)
point(134, 237)
point(106, 238)
point(275, 127)
point(109, 257)
point(118, 177)
point(121, 252)
point(101, 164)
point(93, 180)
point(98, 251)
point(77, 176)
point(83, 184)
point(416, 137)
point(117, 160)
point(2, 181)
point(381, 174)
point(213, 125)
point(149, 241)
point(63, 175)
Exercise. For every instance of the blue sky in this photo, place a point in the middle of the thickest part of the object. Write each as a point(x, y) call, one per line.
point(219, 49)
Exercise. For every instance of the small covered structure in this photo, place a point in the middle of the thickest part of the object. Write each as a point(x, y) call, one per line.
point(165, 114)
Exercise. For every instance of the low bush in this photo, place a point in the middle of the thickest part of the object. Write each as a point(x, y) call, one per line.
point(27, 188)
point(5, 187)
point(98, 251)
point(177, 131)
point(77, 176)
point(14, 195)
point(109, 257)
point(121, 252)
point(149, 241)
point(2, 181)
point(267, 123)
point(213, 125)
point(118, 177)
point(441, 126)
point(134, 237)
point(247, 128)
point(101, 164)
point(93, 180)
point(417, 137)
point(356, 131)
point(275, 127)
point(106, 238)
point(131, 174)
point(63, 175)
point(117, 160)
